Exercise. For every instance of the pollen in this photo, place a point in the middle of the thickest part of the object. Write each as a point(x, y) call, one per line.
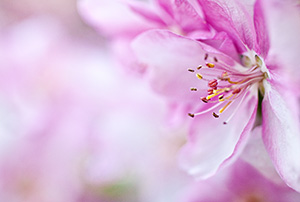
point(199, 67)
point(206, 56)
point(210, 65)
point(221, 97)
point(215, 115)
point(228, 84)
point(199, 76)
point(191, 115)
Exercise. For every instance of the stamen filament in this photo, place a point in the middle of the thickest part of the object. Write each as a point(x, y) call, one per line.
point(237, 107)
point(223, 108)
point(208, 110)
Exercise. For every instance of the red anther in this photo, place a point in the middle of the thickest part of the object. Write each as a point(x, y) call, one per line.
point(204, 99)
point(213, 83)
point(210, 91)
point(236, 91)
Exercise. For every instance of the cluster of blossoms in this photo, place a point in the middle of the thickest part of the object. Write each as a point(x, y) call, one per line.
point(230, 65)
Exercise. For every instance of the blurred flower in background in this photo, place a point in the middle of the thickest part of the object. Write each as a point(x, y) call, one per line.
point(77, 127)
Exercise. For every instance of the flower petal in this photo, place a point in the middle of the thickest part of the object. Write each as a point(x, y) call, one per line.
point(223, 43)
point(234, 17)
point(168, 57)
point(283, 19)
point(98, 14)
point(262, 35)
point(183, 15)
point(281, 135)
point(187, 17)
point(255, 154)
point(212, 144)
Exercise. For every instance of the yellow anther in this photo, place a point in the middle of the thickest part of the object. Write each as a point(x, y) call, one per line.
point(221, 98)
point(199, 76)
point(210, 65)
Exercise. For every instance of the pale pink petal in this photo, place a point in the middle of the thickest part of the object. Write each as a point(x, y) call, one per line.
point(112, 17)
point(222, 42)
point(182, 15)
point(187, 17)
point(255, 154)
point(213, 144)
point(283, 19)
point(168, 58)
point(166, 6)
point(125, 56)
point(234, 17)
point(262, 34)
point(148, 11)
point(281, 135)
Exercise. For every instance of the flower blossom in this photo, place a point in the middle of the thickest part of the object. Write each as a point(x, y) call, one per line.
point(130, 18)
point(240, 183)
point(245, 75)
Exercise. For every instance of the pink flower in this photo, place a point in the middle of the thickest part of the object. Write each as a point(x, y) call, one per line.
point(122, 20)
point(245, 75)
point(240, 183)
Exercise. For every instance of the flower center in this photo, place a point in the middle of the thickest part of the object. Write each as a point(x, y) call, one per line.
point(227, 84)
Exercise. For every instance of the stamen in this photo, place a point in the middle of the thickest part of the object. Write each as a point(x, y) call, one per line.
point(246, 61)
point(258, 61)
point(191, 115)
point(215, 115)
point(213, 83)
point(236, 91)
point(223, 108)
point(199, 76)
point(199, 67)
point(226, 84)
point(208, 110)
point(233, 82)
point(206, 56)
point(221, 97)
point(237, 107)
point(210, 91)
point(210, 65)
point(204, 99)
point(213, 95)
